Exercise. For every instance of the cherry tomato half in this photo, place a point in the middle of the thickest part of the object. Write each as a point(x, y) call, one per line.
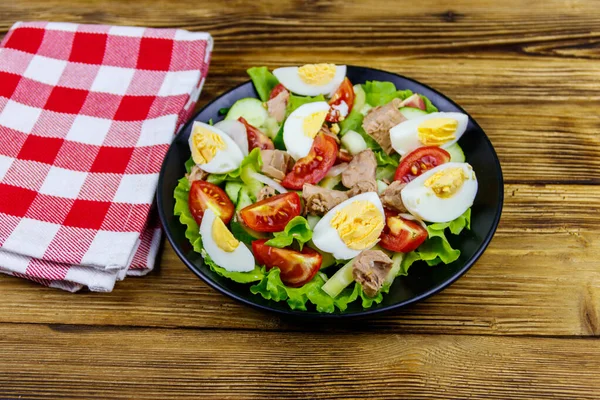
point(313, 167)
point(344, 93)
point(256, 138)
point(272, 214)
point(205, 195)
point(419, 161)
point(400, 234)
point(297, 267)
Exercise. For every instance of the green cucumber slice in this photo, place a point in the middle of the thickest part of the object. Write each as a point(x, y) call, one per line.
point(456, 153)
point(411, 112)
point(251, 109)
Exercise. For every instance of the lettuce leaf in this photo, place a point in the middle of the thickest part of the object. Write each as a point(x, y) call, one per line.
point(297, 229)
point(278, 139)
point(296, 101)
point(272, 288)
point(192, 233)
point(251, 163)
point(380, 93)
point(386, 165)
point(264, 81)
point(429, 107)
point(352, 122)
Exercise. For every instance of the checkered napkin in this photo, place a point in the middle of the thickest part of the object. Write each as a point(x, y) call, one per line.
point(87, 113)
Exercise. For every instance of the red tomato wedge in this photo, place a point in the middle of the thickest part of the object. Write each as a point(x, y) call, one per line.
point(400, 234)
point(256, 138)
point(272, 214)
point(297, 267)
point(205, 195)
point(313, 167)
point(344, 93)
point(419, 161)
point(276, 90)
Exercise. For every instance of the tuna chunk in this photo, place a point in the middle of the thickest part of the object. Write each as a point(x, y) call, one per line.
point(196, 174)
point(318, 200)
point(380, 120)
point(359, 177)
point(370, 268)
point(278, 104)
point(276, 163)
point(391, 198)
point(265, 193)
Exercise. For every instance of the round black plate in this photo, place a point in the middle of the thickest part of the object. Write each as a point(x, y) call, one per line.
point(422, 281)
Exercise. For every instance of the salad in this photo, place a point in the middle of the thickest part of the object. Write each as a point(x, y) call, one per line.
point(321, 193)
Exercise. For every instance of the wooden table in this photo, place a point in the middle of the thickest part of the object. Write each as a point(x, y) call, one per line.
point(523, 323)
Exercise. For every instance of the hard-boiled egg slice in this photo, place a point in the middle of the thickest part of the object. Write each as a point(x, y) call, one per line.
point(302, 126)
point(441, 129)
point(213, 150)
point(441, 194)
point(312, 79)
point(222, 247)
point(350, 227)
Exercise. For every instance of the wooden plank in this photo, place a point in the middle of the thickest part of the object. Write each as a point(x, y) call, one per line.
point(108, 363)
point(538, 277)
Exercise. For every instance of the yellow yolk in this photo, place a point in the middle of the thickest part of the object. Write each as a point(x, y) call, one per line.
point(317, 74)
point(206, 144)
point(437, 131)
point(313, 123)
point(447, 182)
point(223, 237)
point(358, 224)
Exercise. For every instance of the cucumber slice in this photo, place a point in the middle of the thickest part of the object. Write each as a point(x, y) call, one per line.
point(411, 112)
point(381, 186)
point(397, 262)
point(354, 142)
point(327, 258)
point(271, 127)
point(360, 97)
point(365, 109)
point(339, 281)
point(331, 181)
point(312, 220)
point(233, 190)
point(456, 153)
point(251, 109)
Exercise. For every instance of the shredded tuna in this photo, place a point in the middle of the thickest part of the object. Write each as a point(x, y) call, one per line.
point(391, 197)
point(359, 177)
point(380, 120)
point(370, 268)
point(276, 163)
point(278, 104)
point(265, 193)
point(318, 200)
point(196, 174)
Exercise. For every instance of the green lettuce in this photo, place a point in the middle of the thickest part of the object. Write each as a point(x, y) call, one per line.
point(297, 229)
point(243, 174)
point(278, 139)
point(272, 288)
point(429, 107)
point(192, 233)
point(352, 122)
point(386, 165)
point(264, 81)
point(380, 93)
point(296, 101)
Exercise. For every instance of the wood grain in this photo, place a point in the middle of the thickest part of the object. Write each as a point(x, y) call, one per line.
point(117, 364)
point(538, 277)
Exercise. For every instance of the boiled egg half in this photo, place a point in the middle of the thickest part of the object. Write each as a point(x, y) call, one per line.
point(350, 227)
point(213, 150)
point(222, 247)
point(301, 127)
point(441, 129)
point(441, 194)
point(311, 79)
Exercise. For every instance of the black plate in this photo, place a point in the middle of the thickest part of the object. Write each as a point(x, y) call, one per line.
point(422, 281)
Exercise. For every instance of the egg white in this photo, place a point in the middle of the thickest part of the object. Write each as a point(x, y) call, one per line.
point(298, 145)
point(225, 160)
point(327, 239)
point(423, 203)
point(288, 77)
point(405, 135)
point(239, 260)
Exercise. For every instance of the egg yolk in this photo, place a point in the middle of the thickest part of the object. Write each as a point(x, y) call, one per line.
point(437, 131)
point(313, 123)
point(316, 74)
point(358, 224)
point(205, 145)
point(223, 237)
point(447, 182)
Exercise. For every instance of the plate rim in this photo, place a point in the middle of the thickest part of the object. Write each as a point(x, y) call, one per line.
point(357, 314)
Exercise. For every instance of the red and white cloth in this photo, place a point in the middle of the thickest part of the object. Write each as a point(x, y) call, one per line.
point(87, 113)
